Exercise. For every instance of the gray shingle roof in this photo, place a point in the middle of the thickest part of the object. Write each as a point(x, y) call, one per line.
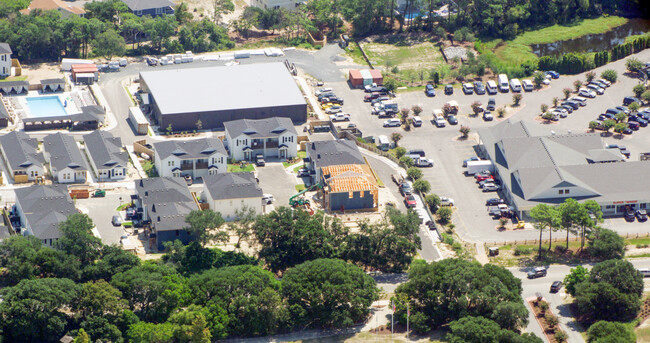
point(63, 152)
point(140, 5)
point(5, 48)
point(168, 200)
point(232, 186)
point(222, 88)
point(261, 128)
point(196, 148)
point(20, 150)
point(45, 207)
point(52, 81)
point(105, 150)
point(4, 113)
point(334, 152)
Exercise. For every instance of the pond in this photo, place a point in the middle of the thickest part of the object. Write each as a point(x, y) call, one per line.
point(595, 42)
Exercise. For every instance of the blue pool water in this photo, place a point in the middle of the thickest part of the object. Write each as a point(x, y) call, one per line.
point(47, 106)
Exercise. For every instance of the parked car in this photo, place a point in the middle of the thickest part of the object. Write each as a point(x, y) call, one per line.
point(494, 201)
point(116, 221)
point(491, 187)
point(628, 131)
point(566, 108)
point(405, 188)
point(370, 97)
point(580, 100)
point(444, 201)
point(392, 123)
point(630, 215)
point(468, 88)
point(487, 116)
point(537, 272)
point(607, 83)
point(630, 99)
point(418, 152)
point(473, 158)
point(573, 104)
point(634, 125)
point(417, 121)
point(452, 119)
point(596, 89)
point(491, 105)
point(556, 286)
point(449, 89)
point(623, 109)
point(340, 117)
point(599, 84)
point(553, 74)
point(641, 215)
point(334, 109)
point(429, 90)
point(482, 173)
point(482, 184)
point(479, 88)
point(267, 199)
point(561, 112)
point(302, 172)
point(440, 121)
point(527, 85)
point(482, 177)
point(409, 200)
point(586, 93)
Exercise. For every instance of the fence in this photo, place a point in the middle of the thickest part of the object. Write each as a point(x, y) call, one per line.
point(556, 240)
point(140, 148)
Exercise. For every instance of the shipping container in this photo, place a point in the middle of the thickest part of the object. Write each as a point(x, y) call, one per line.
point(355, 78)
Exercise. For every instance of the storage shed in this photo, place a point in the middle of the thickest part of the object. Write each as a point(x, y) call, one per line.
point(139, 122)
point(85, 73)
point(355, 78)
point(377, 77)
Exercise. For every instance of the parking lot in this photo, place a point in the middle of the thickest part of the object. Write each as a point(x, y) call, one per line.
point(447, 151)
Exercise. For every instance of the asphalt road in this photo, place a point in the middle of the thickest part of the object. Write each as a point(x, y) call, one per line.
point(559, 302)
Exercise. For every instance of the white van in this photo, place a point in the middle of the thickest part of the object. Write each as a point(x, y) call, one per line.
point(491, 87)
point(528, 85)
point(515, 85)
point(383, 143)
point(417, 121)
point(645, 272)
point(503, 83)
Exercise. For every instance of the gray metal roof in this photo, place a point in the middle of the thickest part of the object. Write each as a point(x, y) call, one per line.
point(52, 81)
point(20, 150)
point(14, 83)
point(140, 5)
point(191, 149)
point(5, 48)
point(333, 153)
point(232, 186)
point(63, 152)
point(260, 128)
point(222, 88)
point(45, 207)
point(105, 150)
point(168, 201)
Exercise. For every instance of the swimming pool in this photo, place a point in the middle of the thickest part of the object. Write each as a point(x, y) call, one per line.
point(45, 106)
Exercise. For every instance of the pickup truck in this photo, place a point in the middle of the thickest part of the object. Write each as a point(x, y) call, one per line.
point(423, 162)
point(444, 201)
point(340, 117)
point(500, 210)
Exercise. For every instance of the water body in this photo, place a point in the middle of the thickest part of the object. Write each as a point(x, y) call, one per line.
point(595, 42)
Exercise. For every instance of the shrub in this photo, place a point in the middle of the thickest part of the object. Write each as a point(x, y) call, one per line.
point(501, 111)
point(422, 186)
point(543, 107)
point(560, 249)
point(566, 92)
point(433, 201)
point(577, 84)
point(543, 306)
point(464, 131)
point(610, 75)
point(400, 151)
point(638, 90)
point(407, 161)
point(522, 251)
point(561, 336)
point(414, 173)
point(417, 109)
point(516, 99)
point(444, 215)
point(551, 320)
point(590, 76)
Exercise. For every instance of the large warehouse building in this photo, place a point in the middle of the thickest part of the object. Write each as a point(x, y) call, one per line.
point(215, 95)
point(537, 166)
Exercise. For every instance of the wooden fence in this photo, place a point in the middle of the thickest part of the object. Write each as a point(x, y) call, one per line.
point(555, 240)
point(140, 148)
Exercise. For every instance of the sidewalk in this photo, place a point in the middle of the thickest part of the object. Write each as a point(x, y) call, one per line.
point(312, 101)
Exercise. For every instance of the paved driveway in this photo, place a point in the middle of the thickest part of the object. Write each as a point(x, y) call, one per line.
point(102, 210)
point(275, 180)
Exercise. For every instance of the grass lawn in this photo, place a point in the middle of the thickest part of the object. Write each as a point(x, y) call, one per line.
point(643, 334)
point(300, 187)
point(236, 168)
point(149, 168)
point(123, 206)
point(295, 170)
point(363, 337)
point(301, 154)
point(14, 78)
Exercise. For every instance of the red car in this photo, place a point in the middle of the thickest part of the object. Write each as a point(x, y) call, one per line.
point(484, 177)
point(409, 200)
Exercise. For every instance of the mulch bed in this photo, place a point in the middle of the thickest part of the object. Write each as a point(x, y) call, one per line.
point(541, 319)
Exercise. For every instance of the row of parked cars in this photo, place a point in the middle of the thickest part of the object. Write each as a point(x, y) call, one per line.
point(332, 104)
point(502, 85)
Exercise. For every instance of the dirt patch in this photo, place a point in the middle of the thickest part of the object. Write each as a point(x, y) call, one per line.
point(41, 71)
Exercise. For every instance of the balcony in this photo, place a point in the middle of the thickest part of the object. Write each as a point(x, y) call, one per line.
point(187, 166)
point(202, 165)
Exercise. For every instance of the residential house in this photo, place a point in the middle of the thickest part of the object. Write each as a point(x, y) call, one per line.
point(164, 202)
point(21, 155)
point(322, 154)
point(349, 187)
point(272, 137)
point(67, 165)
point(54, 5)
point(42, 208)
point(107, 159)
point(277, 4)
point(153, 8)
point(5, 60)
point(196, 158)
point(228, 192)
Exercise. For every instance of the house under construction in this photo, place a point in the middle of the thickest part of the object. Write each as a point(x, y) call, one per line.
point(349, 187)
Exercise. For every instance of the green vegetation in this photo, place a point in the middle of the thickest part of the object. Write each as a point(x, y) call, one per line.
point(14, 78)
point(301, 154)
point(300, 187)
point(238, 168)
point(123, 206)
point(149, 169)
point(558, 32)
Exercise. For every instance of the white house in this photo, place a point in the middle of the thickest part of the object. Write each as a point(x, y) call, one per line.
point(277, 4)
point(67, 165)
point(226, 193)
point(272, 137)
point(107, 159)
point(5, 60)
point(21, 156)
point(197, 158)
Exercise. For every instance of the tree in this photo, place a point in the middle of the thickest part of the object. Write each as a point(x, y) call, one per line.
point(476, 107)
point(464, 131)
point(199, 125)
point(511, 315)
point(516, 99)
point(610, 75)
point(221, 7)
point(109, 44)
point(602, 301)
point(414, 173)
point(538, 79)
point(99, 299)
point(407, 161)
point(400, 151)
point(620, 117)
point(561, 336)
point(572, 214)
point(620, 127)
point(548, 116)
point(395, 137)
point(608, 124)
point(328, 293)
point(593, 125)
point(575, 277)
point(113, 259)
point(433, 201)
point(481, 330)
point(34, 310)
point(544, 108)
point(82, 337)
point(619, 273)
point(546, 218)
point(390, 84)
point(566, 92)
point(590, 76)
point(288, 237)
point(243, 225)
point(405, 114)
point(638, 90)
point(191, 325)
point(577, 84)
point(201, 223)
point(182, 15)
point(78, 240)
point(422, 186)
point(634, 65)
point(444, 215)
point(603, 331)
point(417, 109)
point(645, 97)
point(501, 111)
point(555, 101)
point(142, 332)
point(634, 107)
point(606, 244)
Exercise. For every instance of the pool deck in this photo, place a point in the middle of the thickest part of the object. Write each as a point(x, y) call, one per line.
point(70, 109)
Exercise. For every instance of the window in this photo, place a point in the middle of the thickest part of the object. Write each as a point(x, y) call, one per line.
point(138, 12)
point(566, 191)
point(159, 10)
point(561, 191)
point(643, 206)
point(609, 207)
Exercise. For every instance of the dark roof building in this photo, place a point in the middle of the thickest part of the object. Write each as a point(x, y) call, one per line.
point(229, 193)
point(322, 154)
point(263, 128)
point(42, 209)
point(66, 162)
point(150, 7)
point(215, 95)
point(21, 155)
point(196, 148)
point(106, 156)
point(165, 201)
point(536, 166)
